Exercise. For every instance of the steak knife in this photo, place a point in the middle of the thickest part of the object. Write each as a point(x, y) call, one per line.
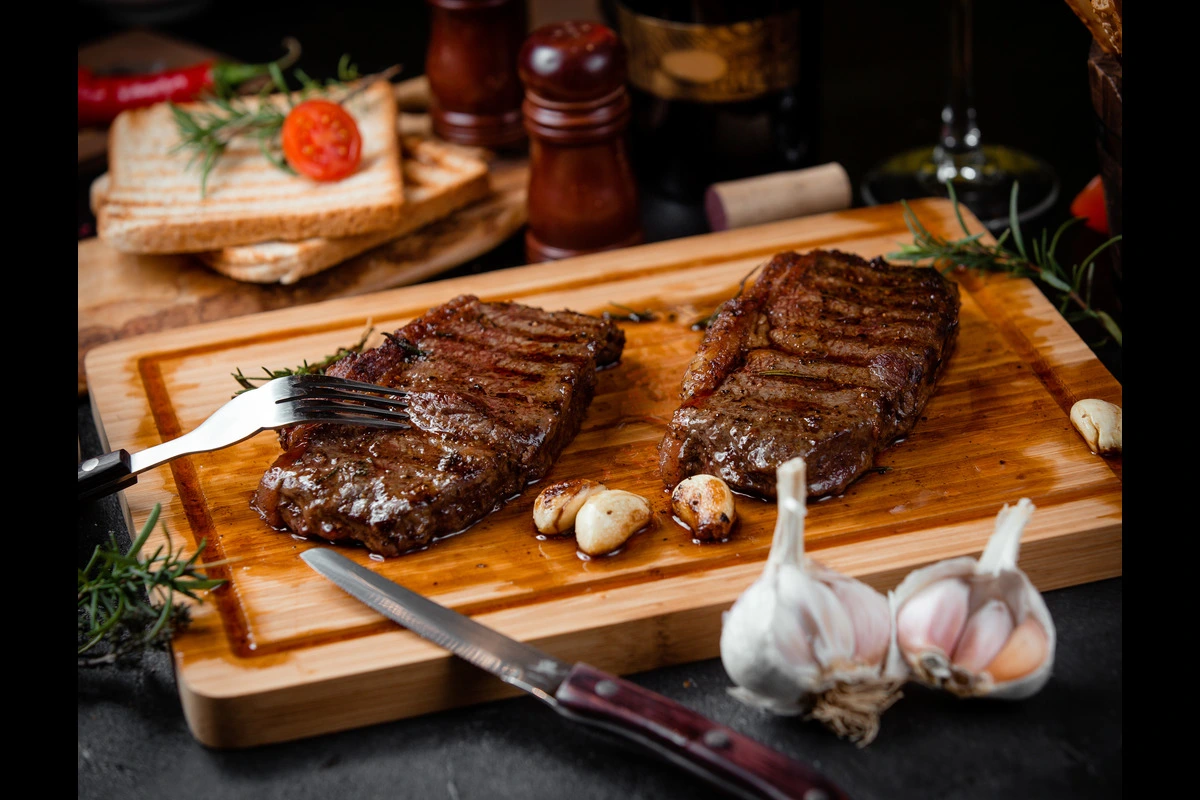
point(727, 759)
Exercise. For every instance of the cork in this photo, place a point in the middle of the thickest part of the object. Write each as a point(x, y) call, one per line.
point(779, 195)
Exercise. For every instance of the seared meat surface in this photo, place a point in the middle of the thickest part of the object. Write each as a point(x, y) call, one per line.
point(495, 392)
point(827, 356)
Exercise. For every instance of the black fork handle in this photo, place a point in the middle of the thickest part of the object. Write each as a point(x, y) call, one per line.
point(105, 474)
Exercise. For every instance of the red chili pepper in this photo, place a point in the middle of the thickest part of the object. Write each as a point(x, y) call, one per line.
point(102, 97)
point(1090, 205)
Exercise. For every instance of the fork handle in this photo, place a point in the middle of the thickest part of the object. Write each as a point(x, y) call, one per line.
point(105, 474)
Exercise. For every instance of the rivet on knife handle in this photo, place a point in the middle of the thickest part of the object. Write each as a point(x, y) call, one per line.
point(689, 739)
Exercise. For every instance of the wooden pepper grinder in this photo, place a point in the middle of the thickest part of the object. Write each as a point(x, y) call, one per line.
point(582, 193)
point(471, 65)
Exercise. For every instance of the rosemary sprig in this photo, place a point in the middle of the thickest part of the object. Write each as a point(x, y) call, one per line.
point(703, 323)
point(248, 382)
point(207, 132)
point(630, 314)
point(117, 615)
point(1037, 261)
point(410, 349)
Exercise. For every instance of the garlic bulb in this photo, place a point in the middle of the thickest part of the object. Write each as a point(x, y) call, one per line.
point(976, 628)
point(806, 639)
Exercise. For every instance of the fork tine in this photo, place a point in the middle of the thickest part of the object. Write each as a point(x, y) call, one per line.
point(314, 408)
point(321, 381)
point(365, 400)
point(343, 416)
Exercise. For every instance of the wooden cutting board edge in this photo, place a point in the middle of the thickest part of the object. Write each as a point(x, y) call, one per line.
point(228, 705)
point(396, 674)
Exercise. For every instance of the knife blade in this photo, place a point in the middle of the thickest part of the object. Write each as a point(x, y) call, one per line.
point(724, 757)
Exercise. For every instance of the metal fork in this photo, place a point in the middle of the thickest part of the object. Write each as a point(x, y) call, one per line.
point(278, 403)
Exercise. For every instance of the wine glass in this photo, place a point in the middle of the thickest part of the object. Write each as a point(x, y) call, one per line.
point(982, 175)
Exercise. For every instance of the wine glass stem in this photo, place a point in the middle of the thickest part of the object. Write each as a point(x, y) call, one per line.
point(958, 152)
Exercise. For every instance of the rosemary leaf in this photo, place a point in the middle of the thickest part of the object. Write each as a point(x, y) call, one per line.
point(117, 615)
point(1072, 284)
point(630, 314)
point(207, 131)
point(248, 382)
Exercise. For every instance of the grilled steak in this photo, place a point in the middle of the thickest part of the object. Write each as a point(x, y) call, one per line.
point(495, 392)
point(826, 356)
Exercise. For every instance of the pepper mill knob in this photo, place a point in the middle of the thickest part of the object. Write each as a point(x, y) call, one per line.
point(582, 191)
point(572, 62)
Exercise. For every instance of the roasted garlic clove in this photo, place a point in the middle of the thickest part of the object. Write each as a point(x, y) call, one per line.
point(556, 506)
point(705, 504)
point(607, 519)
point(1099, 422)
point(977, 628)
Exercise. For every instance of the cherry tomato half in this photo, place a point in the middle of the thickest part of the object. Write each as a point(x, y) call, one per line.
point(321, 140)
point(1089, 204)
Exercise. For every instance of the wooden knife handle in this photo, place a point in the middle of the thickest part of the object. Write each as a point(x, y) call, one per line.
point(105, 474)
point(719, 754)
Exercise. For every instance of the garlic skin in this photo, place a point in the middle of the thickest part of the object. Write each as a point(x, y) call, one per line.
point(977, 628)
point(803, 638)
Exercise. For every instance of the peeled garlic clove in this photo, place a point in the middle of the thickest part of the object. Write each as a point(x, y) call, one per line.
point(984, 636)
point(557, 505)
point(1002, 632)
point(806, 639)
point(1099, 423)
point(705, 504)
point(607, 519)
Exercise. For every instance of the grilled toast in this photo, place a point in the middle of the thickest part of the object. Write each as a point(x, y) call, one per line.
point(153, 202)
point(439, 179)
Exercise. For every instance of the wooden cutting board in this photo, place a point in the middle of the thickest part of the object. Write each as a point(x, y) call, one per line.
point(278, 653)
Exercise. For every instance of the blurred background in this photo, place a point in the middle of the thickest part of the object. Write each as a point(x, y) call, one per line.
point(879, 76)
point(883, 65)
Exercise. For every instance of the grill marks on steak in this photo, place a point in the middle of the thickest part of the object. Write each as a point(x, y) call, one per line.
point(826, 356)
point(496, 391)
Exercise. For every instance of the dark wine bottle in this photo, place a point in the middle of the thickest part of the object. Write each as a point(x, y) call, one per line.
point(720, 90)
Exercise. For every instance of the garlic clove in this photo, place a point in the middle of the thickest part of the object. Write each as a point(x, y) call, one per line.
point(1099, 423)
point(933, 620)
point(556, 506)
point(984, 636)
point(870, 617)
point(997, 588)
point(805, 639)
point(705, 504)
point(811, 618)
point(1023, 652)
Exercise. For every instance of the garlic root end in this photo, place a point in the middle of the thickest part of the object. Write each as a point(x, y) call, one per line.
point(853, 710)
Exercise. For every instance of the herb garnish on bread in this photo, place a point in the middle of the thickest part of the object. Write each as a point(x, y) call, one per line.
point(154, 202)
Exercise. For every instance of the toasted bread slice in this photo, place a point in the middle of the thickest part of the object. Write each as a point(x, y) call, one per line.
point(154, 204)
point(439, 178)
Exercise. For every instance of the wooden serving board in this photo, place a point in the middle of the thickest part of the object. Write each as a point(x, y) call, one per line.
point(278, 653)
